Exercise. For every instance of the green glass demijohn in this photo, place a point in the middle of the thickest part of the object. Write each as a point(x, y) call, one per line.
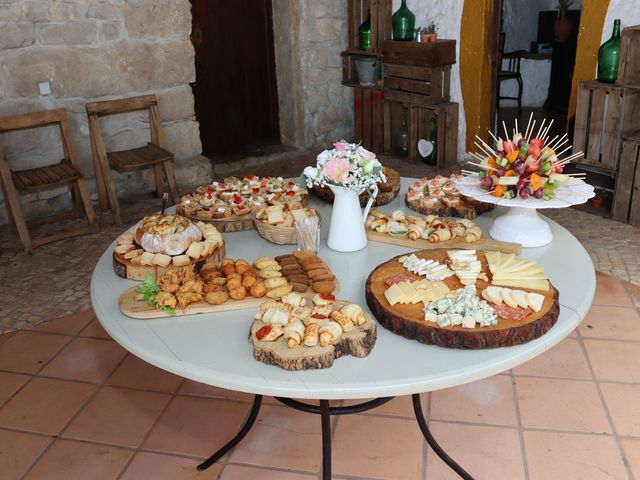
point(403, 23)
point(364, 33)
point(609, 56)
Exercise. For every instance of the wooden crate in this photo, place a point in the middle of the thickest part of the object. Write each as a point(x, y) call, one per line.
point(626, 199)
point(629, 68)
point(419, 116)
point(367, 116)
point(603, 112)
point(349, 72)
point(380, 21)
point(431, 82)
point(430, 54)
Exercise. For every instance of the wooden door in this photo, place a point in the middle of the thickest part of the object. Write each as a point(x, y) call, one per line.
point(236, 98)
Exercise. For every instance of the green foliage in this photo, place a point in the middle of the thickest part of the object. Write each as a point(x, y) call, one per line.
point(149, 289)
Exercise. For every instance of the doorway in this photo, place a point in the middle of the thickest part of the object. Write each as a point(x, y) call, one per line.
point(236, 96)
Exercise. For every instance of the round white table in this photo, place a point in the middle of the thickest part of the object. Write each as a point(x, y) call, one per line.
point(213, 348)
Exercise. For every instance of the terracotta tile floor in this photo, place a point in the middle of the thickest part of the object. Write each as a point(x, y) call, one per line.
point(74, 405)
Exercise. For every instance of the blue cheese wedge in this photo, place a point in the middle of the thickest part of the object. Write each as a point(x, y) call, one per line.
point(463, 308)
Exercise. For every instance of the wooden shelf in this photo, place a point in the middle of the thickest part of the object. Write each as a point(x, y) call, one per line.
point(358, 53)
point(355, 84)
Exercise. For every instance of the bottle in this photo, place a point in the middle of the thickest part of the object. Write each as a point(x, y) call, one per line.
point(403, 23)
point(364, 33)
point(609, 56)
point(403, 137)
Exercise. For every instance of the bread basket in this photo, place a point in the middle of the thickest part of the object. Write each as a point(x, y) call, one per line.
point(277, 234)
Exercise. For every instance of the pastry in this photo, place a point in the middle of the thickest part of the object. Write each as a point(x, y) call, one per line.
point(345, 322)
point(258, 290)
point(330, 333)
point(170, 234)
point(294, 333)
point(216, 297)
point(325, 286)
point(278, 292)
point(311, 335)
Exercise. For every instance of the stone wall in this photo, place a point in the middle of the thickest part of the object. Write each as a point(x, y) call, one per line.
point(315, 108)
point(94, 50)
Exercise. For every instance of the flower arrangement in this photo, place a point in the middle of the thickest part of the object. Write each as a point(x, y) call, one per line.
point(347, 165)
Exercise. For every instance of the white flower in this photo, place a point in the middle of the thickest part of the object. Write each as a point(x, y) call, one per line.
point(324, 156)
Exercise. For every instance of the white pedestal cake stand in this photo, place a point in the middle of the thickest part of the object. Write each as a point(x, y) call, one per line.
point(521, 223)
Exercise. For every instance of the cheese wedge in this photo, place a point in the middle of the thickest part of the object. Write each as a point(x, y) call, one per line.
point(520, 297)
point(535, 301)
point(506, 297)
point(495, 295)
point(393, 294)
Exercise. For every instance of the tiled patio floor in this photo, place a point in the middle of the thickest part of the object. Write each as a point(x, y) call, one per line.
point(75, 405)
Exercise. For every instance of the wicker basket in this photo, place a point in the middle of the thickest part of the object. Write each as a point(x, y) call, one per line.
point(279, 235)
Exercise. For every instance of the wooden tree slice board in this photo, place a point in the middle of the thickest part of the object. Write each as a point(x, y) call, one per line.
point(483, 243)
point(408, 320)
point(134, 308)
point(234, 223)
point(125, 269)
point(470, 209)
point(358, 342)
point(386, 191)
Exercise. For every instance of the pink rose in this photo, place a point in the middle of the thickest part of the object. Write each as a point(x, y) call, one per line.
point(341, 146)
point(337, 170)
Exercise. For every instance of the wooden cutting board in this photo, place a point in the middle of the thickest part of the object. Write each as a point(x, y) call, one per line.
point(358, 342)
point(483, 243)
point(131, 307)
point(408, 320)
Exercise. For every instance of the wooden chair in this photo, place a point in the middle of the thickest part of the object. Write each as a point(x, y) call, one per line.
point(67, 172)
point(153, 154)
point(512, 72)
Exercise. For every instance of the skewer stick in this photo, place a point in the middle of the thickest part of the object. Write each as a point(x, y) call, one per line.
point(526, 132)
point(576, 175)
point(533, 127)
point(557, 144)
point(541, 127)
point(468, 172)
point(483, 149)
point(506, 134)
point(484, 167)
point(488, 147)
point(493, 136)
point(516, 129)
point(478, 157)
point(550, 142)
point(568, 148)
point(546, 130)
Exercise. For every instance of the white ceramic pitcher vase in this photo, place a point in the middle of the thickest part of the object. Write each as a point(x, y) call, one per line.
point(346, 233)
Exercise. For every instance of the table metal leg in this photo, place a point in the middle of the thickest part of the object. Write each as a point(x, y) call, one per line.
point(251, 419)
point(422, 422)
point(325, 417)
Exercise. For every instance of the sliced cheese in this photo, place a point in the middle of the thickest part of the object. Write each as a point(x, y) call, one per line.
point(495, 294)
point(393, 294)
point(535, 301)
point(520, 297)
point(507, 298)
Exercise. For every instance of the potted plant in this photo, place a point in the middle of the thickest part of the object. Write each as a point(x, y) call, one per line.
point(430, 34)
point(348, 170)
point(563, 25)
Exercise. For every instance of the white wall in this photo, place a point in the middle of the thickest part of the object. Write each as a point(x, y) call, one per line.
point(520, 21)
point(628, 11)
point(447, 14)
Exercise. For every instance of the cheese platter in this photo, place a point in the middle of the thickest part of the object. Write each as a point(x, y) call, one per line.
point(431, 232)
point(302, 334)
point(463, 298)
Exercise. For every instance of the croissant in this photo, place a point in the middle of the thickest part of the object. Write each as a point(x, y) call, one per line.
point(354, 312)
point(330, 333)
point(275, 316)
point(377, 225)
point(345, 322)
point(473, 233)
point(426, 233)
point(369, 220)
point(264, 306)
point(441, 235)
point(458, 230)
point(311, 335)
point(416, 221)
point(294, 333)
point(269, 333)
point(301, 313)
point(398, 216)
point(430, 218)
point(415, 231)
point(294, 299)
point(377, 213)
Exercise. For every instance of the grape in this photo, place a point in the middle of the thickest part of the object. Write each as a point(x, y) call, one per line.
point(500, 172)
point(521, 141)
point(538, 193)
point(500, 153)
point(524, 193)
point(520, 169)
point(487, 182)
